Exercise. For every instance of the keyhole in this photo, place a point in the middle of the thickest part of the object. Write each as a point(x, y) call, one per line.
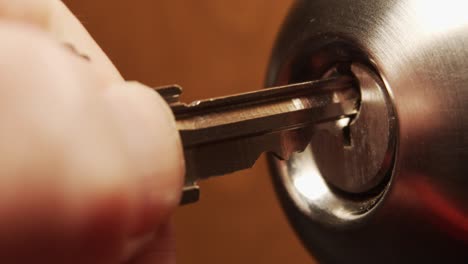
point(345, 126)
point(347, 141)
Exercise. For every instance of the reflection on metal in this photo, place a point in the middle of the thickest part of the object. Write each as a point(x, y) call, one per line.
point(309, 182)
point(419, 214)
point(312, 194)
point(439, 16)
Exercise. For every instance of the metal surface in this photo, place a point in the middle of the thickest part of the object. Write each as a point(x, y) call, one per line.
point(227, 134)
point(420, 51)
point(354, 155)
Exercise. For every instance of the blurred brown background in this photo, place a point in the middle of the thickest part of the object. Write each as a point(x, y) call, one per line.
point(211, 48)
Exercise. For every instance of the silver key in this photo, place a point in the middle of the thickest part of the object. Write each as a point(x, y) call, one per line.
point(226, 134)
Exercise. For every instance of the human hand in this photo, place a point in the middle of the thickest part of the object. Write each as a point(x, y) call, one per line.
point(90, 165)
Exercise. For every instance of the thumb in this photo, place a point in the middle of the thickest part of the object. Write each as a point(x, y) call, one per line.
point(154, 150)
point(147, 124)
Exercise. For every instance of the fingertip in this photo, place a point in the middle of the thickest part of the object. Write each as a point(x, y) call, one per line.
point(154, 151)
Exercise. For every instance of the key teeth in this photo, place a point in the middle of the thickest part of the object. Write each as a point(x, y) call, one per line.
point(293, 142)
point(286, 155)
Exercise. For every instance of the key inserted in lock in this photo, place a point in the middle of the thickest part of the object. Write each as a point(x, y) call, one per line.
point(226, 134)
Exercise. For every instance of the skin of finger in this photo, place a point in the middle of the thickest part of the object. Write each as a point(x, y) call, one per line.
point(70, 191)
point(54, 17)
point(147, 124)
point(160, 250)
point(139, 123)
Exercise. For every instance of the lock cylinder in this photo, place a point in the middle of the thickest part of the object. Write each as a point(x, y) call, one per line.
point(342, 175)
point(388, 185)
point(355, 155)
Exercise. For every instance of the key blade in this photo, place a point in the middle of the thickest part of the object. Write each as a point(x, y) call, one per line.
point(227, 134)
point(225, 157)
